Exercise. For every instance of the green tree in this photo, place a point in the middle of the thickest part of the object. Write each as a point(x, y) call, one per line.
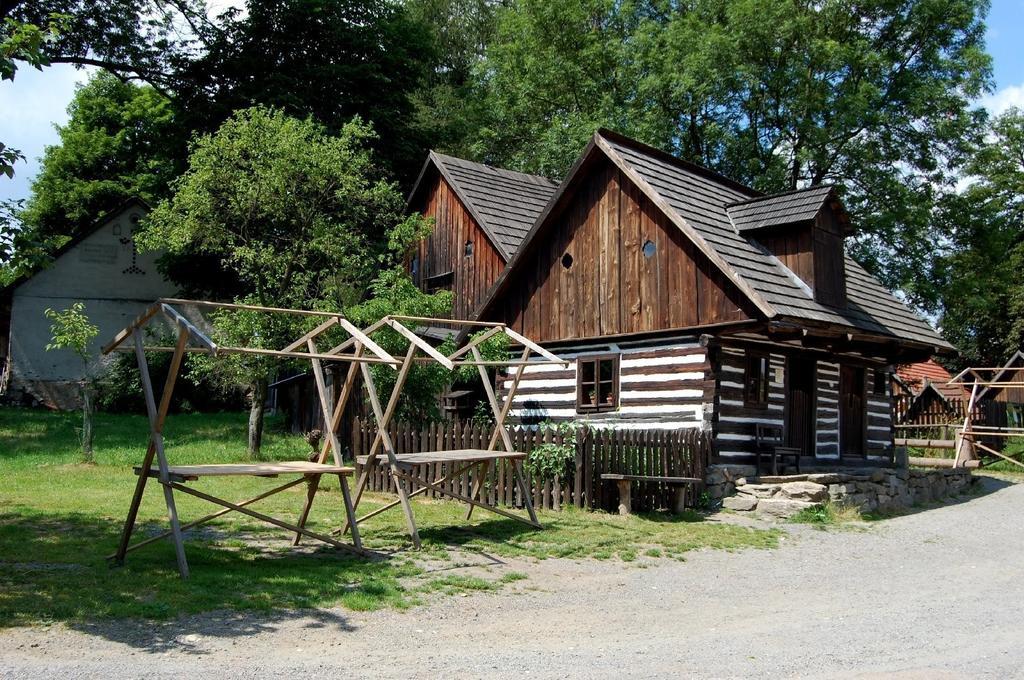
point(329, 59)
point(982, 310)
point(121, 140)
point(448, 109)
point(72, 330)
point(144, 40)
point(872, 95)
point(300, 217)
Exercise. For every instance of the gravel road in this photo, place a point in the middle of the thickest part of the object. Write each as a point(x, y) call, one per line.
point(935, 594)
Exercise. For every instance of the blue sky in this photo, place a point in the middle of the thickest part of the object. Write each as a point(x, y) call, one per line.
point(35, 102)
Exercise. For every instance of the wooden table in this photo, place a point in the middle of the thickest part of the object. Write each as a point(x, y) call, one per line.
point(460, 461)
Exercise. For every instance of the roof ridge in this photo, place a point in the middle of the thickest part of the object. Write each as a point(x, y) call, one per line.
point(444, 156)
point(779, 194)
point(679, 162)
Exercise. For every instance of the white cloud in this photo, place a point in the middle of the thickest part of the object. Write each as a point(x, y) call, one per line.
point(32, 104)
point(1000, 101)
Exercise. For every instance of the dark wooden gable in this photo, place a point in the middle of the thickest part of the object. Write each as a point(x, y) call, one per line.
point(610, 262)
point(458, 255)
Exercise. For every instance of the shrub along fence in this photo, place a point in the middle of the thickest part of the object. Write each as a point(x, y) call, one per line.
point(664, 453)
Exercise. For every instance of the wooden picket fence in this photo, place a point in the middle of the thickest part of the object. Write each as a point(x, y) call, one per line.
point(666, 453)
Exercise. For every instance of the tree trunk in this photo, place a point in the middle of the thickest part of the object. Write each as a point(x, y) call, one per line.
point(258, 396)
point(87, 409)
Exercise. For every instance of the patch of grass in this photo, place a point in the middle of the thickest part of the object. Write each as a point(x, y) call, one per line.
point(456, 584)
point(58, 519)
point(513, 576)
point(827, 515)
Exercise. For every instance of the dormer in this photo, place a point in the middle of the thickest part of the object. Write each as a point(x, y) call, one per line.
point(804, 230)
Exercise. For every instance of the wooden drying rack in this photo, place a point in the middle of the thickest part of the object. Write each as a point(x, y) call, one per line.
point(967, 435)
point(352, 351)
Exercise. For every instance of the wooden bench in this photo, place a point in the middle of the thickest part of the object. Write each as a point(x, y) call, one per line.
point(771, 443)
point(625, 484)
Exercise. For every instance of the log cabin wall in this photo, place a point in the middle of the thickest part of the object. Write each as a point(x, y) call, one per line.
point(441, 261)
point(880, 432)
point(613, 264)
point(827, 431)
point(734, 422)
point(661, 385)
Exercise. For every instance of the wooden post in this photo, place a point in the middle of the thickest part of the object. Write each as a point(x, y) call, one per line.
point(156, 421)
point(965, 444)
point(332, 437)
point(147, 461)
point(499, 423)
point(625, 497)
point(384, 437)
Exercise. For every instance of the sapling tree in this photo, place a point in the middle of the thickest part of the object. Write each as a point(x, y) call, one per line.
point(70, 329)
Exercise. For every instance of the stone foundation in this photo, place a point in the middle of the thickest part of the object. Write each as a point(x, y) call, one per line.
point(737, 487)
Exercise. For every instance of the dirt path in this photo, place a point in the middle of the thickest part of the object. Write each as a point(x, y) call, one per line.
point(931, 595)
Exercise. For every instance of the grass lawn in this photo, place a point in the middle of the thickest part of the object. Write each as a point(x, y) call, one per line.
point(59, 518)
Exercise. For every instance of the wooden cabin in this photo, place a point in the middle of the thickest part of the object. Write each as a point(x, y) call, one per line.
point(481, 216)
point(684, 299)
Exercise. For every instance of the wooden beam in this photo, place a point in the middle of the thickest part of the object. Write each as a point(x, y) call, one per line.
point(526, 342)
point(147, 460)
point(353, 340)
point(182, 322)
point(454, 322)
point(211, 516)
point(422, 344)
point(474, 342)
point(366, 342)
point(311, 334)
point(251, 308)
point(272, 352)
point(268, 519)
point(123, 334)
point(156, 420)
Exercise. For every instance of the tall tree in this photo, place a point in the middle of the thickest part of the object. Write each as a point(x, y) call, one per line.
point(135, 39)
point(299, 216)
point(121, 140)
point(871, 94)
point(982, 310)
point(448, 108)
point(329, 59)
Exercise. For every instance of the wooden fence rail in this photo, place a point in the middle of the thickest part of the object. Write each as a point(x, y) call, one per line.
point(665, 453)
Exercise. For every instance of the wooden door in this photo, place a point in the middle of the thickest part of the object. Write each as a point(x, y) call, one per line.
point(851, 411)
point(800, 406)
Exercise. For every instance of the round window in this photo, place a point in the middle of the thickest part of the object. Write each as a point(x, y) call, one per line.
point(649, 248)
point(567, 260)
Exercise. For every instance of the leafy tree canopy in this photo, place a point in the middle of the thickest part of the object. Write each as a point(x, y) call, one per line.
point(982, 309)
point(135, 39)
point(329, 59)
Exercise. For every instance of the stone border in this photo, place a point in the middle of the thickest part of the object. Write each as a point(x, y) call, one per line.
point(737, 487)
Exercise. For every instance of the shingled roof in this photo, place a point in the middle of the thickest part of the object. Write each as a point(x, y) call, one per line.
point(779, 209)
point(504, 203)
point(698, 201)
